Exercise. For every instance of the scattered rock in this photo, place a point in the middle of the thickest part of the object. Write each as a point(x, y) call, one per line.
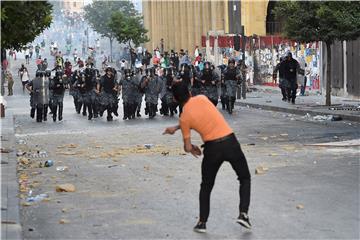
point(259, 170)
point(65, 188)
point(165, 153)
point(250, 144)
point(284, 134)
point(23, 160)
point(299, 206)
point(64, 221)
point(64, 210)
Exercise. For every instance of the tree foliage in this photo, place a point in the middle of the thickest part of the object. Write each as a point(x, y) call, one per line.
point(23, 21)
point(99, 13)
point(128, 29)
point(308, 21)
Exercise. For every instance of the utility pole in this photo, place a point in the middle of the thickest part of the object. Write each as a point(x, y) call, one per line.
point(87, 38)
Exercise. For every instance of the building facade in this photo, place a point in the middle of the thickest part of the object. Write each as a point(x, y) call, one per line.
point(182, 23)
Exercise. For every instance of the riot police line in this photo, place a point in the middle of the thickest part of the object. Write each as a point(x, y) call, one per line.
point(95, 94)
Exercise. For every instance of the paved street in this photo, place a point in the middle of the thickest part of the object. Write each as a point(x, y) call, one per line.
point(125, 190)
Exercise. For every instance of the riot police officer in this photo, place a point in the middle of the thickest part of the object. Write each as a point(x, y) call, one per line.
point(108, 89)
point(151, 86)
point(57, 86)
point(210, 80)
point(39, 89)
point(128, 88)
point(230, 76)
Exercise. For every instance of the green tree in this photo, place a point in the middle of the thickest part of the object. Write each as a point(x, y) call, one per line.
point(22, 21)
point(127, 29)
point(326, 21)
point(98, 14)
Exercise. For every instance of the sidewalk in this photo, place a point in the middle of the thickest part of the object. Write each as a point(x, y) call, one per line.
point(10, 210)
point(269, 98)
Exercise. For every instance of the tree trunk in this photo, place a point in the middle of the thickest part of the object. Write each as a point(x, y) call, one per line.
point(328, 74)
point(111, 53)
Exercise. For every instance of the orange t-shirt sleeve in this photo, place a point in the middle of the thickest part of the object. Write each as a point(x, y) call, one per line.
point(185, 126)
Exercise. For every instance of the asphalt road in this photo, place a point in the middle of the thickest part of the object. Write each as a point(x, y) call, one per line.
point(126, 191)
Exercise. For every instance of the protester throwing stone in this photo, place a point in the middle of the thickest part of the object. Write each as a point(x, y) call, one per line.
point(220, 144)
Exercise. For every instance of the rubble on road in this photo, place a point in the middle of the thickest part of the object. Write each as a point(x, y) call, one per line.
point(65, 188)
point(260, 170)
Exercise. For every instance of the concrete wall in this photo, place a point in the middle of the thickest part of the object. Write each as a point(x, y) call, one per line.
point(345, 70)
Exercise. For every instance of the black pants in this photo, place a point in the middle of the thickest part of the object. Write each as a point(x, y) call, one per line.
point(291, 90)
point(215, 153)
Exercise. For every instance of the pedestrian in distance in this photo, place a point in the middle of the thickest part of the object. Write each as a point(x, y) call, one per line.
point(10, 81)
point(27, 55)
point(24, 76)
point(220, 144)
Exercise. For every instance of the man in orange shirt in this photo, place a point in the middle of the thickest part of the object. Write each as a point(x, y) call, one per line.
point(220, 144)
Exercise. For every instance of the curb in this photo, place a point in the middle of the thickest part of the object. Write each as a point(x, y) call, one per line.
point(11, 227)
point(298, 111)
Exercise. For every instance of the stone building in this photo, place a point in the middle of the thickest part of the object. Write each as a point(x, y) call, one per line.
point(182, 23)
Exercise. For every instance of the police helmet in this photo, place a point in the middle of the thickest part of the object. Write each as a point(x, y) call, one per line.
point(231, 60)
point(207, 65)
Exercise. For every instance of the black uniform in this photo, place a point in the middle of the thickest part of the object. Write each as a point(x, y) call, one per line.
point(91, 96)
point(230, 80)
point(108, 96)
point(290, 74)
point(58, 86)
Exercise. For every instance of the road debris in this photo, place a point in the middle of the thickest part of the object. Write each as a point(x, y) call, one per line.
point(20, 153)
point(148, 146)
point(23, 160)
point(65, 188)
point(260, 170)
point(38, 198)
point(64, 221)
point(62, 168)
point(299, 206)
